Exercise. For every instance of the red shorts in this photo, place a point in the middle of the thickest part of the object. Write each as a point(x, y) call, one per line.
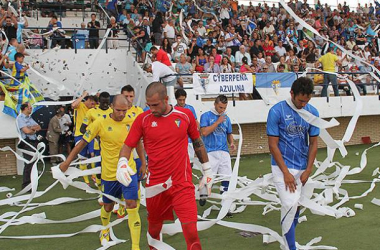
point(178, 198)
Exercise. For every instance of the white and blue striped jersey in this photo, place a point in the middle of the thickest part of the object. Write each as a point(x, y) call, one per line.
point(217, 140)
point(293, 133)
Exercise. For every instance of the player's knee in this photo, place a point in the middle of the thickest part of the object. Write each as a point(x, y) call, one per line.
point(130, 204)
point(108, 207)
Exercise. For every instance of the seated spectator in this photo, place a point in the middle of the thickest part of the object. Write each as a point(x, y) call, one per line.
point(280, 50)
point(200, 61)
point(226, 66)
point(183, 67)
point(256, 68)
point(244, 68)
point(256, 49)
point(211, 66)
point(280, 68)
point(358, 79)
point(216, 56)
point(268, 49)
point(240, 55)
point(268, 62)
point(292, 59)
point(208, 46)
point(230, 57)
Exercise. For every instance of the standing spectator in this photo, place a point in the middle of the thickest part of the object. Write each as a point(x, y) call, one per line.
point(328, 62)
point(10, 27)
point(160, 56)
point(178, 48)
point(157, 28)
point(201, 29)
point(280, 50)
point(169, 31)
point(53, 135)
point(216, 131)
point(65, 139)
point(83, 32)
point(233, 40)
point(112, 41)
point(143, 41)
point(28, 129)
point(93, 36)
point(112, 8)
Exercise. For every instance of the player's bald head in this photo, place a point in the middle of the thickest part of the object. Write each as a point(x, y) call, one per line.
point(156, 88)
point(120, 100)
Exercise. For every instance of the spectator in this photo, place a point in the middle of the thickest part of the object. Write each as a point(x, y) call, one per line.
point(157, 28)
point(359, 80)
point(268, 62)
point(256, 49)
point(280, 50)
point(28, 129)
point(10, 27)
point(200, 61)
point(143, 43)
point(161, 56)
point(201, 29)
point(216, 56)
point(328, 62)
point(230, 57)
point(166, 46)
point(161, 72)
point(211, 66)
point(53, 135)
point(183, 67)
point(178, 48)
point(66, 136)
point(169, 31)
point(240, 55)
point(226, 66)
point(233, 40)
point(112, 41)
point(93, 35)
point(208, 46)
point(256, 68)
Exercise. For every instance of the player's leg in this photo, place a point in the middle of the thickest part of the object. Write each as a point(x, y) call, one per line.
point(214, 162)
point(82, 156)
point(185, 207)
point(113, 188)
point(224, 168)
point(289, 205)
point(130, 194)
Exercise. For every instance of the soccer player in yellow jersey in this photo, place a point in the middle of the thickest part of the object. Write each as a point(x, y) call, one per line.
point(112, 132)
point(102, 111)
point(80, 110)
point(133, 111)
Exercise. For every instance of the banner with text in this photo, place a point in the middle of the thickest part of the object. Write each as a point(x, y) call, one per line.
point(223, 83)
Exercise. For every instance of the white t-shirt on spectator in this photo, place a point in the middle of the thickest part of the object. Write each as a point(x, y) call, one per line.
point(268, 30)
point(239, 57)
point(64, 119)
point(281, 51)
point(234, 42)
point(160, 70)
point(224, 14)
point(180, 50)
point(170, 32)
point(202, 31)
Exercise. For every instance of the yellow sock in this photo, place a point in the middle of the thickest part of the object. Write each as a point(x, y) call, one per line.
point(134, 224)
point(105, 216)
point(84, 167)
point(99, 183)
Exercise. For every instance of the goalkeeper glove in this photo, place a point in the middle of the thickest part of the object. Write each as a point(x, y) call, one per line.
point(124, 172)
point(208, 178)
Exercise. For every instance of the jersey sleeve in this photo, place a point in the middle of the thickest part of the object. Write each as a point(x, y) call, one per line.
point(194, 113)
point(192, 130)
point(92, 131)
point(87, 118)
point(272, 123)
point(229, 126)
point(18, 66)
point(204, 121)
point(135, 133)
point(313, 130)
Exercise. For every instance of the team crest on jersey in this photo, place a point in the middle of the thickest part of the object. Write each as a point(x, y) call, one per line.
point(128, 127)
point(133, 114)
point(178, 122)
point(109, 128)
point(87, 134)
point(85, 119)
point(154, 124)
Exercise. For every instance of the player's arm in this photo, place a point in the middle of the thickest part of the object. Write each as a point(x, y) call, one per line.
point(205, 131)
point(201, 153)
point(141, 154)
point(230, 139)
point(76, 103)
point(73, 154)
point(313, 148)
point(86, 121)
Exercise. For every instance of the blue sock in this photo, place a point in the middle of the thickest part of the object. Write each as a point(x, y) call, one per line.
point(291, 234)
point(225, 186)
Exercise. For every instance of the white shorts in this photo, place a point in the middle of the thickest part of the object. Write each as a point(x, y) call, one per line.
point(190, 151)
point(289, 201)
point(220, 162)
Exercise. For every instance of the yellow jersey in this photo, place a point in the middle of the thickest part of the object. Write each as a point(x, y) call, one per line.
point(131, 116)
point(79, 115)
point(328, 62)
point(112, 135)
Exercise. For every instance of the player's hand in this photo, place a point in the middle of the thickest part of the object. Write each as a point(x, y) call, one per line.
point(142, 171)
point(208, 178)
point(222, 118)
point(233, 146)
point(305, 177)
point(85, 93)
point(64, 166)
point(290, 182)
point(124, 172)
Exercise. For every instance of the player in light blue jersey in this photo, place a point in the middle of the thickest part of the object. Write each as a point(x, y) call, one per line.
point(216, 131)
point(180, 96)
point(293, 145)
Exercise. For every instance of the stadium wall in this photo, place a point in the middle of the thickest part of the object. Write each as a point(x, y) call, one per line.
point(8, 160)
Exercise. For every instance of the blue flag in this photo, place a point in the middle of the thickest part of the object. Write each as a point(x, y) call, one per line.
point(275, 80)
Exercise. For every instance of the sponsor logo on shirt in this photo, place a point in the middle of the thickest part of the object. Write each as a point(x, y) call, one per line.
point(295, 130)
point(109, 128)
point(288, 117)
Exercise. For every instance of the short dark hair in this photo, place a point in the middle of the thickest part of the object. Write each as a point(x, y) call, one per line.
point(104, 95)
point(221, 98)
point(179, 93)
point(93, 14)
point(92, 98)
point(24, 106)
point(153, 48)
point(54, 16)
point(19, 55)
point(127, 88)
point(303, 85)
